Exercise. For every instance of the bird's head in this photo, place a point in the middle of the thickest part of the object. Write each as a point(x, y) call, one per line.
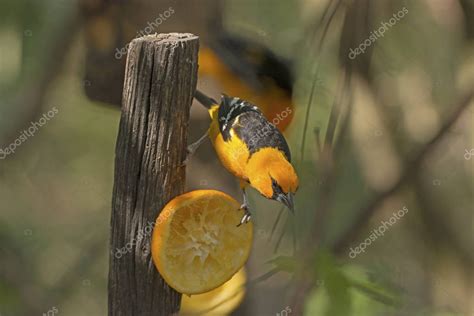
point(273, 176)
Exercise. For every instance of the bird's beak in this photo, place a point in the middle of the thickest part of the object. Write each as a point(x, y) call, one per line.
point(287, 199)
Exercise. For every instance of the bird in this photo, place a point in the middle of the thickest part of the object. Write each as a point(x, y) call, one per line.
point(249, 69)
point(251, 148)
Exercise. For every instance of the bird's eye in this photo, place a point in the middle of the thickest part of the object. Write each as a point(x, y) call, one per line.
point(274, 183)
point(276, 187)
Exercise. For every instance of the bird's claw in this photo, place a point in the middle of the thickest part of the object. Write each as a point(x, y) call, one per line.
point(189, 153)
point(244, 207)
point(247, 216)
point(192, 148)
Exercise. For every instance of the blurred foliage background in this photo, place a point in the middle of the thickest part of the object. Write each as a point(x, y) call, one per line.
point(390, 128)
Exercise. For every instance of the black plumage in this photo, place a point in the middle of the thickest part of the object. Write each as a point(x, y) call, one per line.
point(257, 133)
point(229, 109)
point(253, 62)
point(250, 125)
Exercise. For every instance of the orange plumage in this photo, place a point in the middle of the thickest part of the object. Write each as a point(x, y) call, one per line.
point(252, 149)
point(274, 101)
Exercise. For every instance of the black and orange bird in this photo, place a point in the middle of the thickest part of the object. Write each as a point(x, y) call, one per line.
point(250, 70)
point(251, 148)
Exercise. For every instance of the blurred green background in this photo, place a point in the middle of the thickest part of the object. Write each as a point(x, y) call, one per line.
point(370, 136)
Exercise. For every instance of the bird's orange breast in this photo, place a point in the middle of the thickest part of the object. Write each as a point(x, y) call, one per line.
point(233, 153)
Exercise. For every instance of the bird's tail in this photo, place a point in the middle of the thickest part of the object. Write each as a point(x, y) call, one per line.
point(206, 101)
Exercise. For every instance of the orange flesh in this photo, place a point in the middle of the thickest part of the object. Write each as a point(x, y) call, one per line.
point(196, 245)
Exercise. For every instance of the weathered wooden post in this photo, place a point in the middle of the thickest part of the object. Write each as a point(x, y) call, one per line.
point(160, 80)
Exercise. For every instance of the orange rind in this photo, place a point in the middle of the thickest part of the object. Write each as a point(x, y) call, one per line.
point(220, 301)
point(196, 244)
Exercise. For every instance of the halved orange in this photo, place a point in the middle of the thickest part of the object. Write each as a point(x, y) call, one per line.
point(220, 301)
point(196, 244)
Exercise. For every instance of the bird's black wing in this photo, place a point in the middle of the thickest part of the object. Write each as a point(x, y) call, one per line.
point(229, 109)
point(253, 62)
point(257, 133)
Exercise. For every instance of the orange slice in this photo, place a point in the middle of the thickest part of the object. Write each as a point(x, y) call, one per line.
point(220, 301)
point(196, 245)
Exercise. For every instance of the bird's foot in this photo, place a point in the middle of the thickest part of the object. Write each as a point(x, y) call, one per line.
point(247, 216)
point(244, 207)
point(190, 150)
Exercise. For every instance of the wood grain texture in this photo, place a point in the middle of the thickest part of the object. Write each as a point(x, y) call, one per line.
point(160, 80)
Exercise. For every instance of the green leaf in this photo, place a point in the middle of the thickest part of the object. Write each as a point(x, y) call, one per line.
point(359, 280)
